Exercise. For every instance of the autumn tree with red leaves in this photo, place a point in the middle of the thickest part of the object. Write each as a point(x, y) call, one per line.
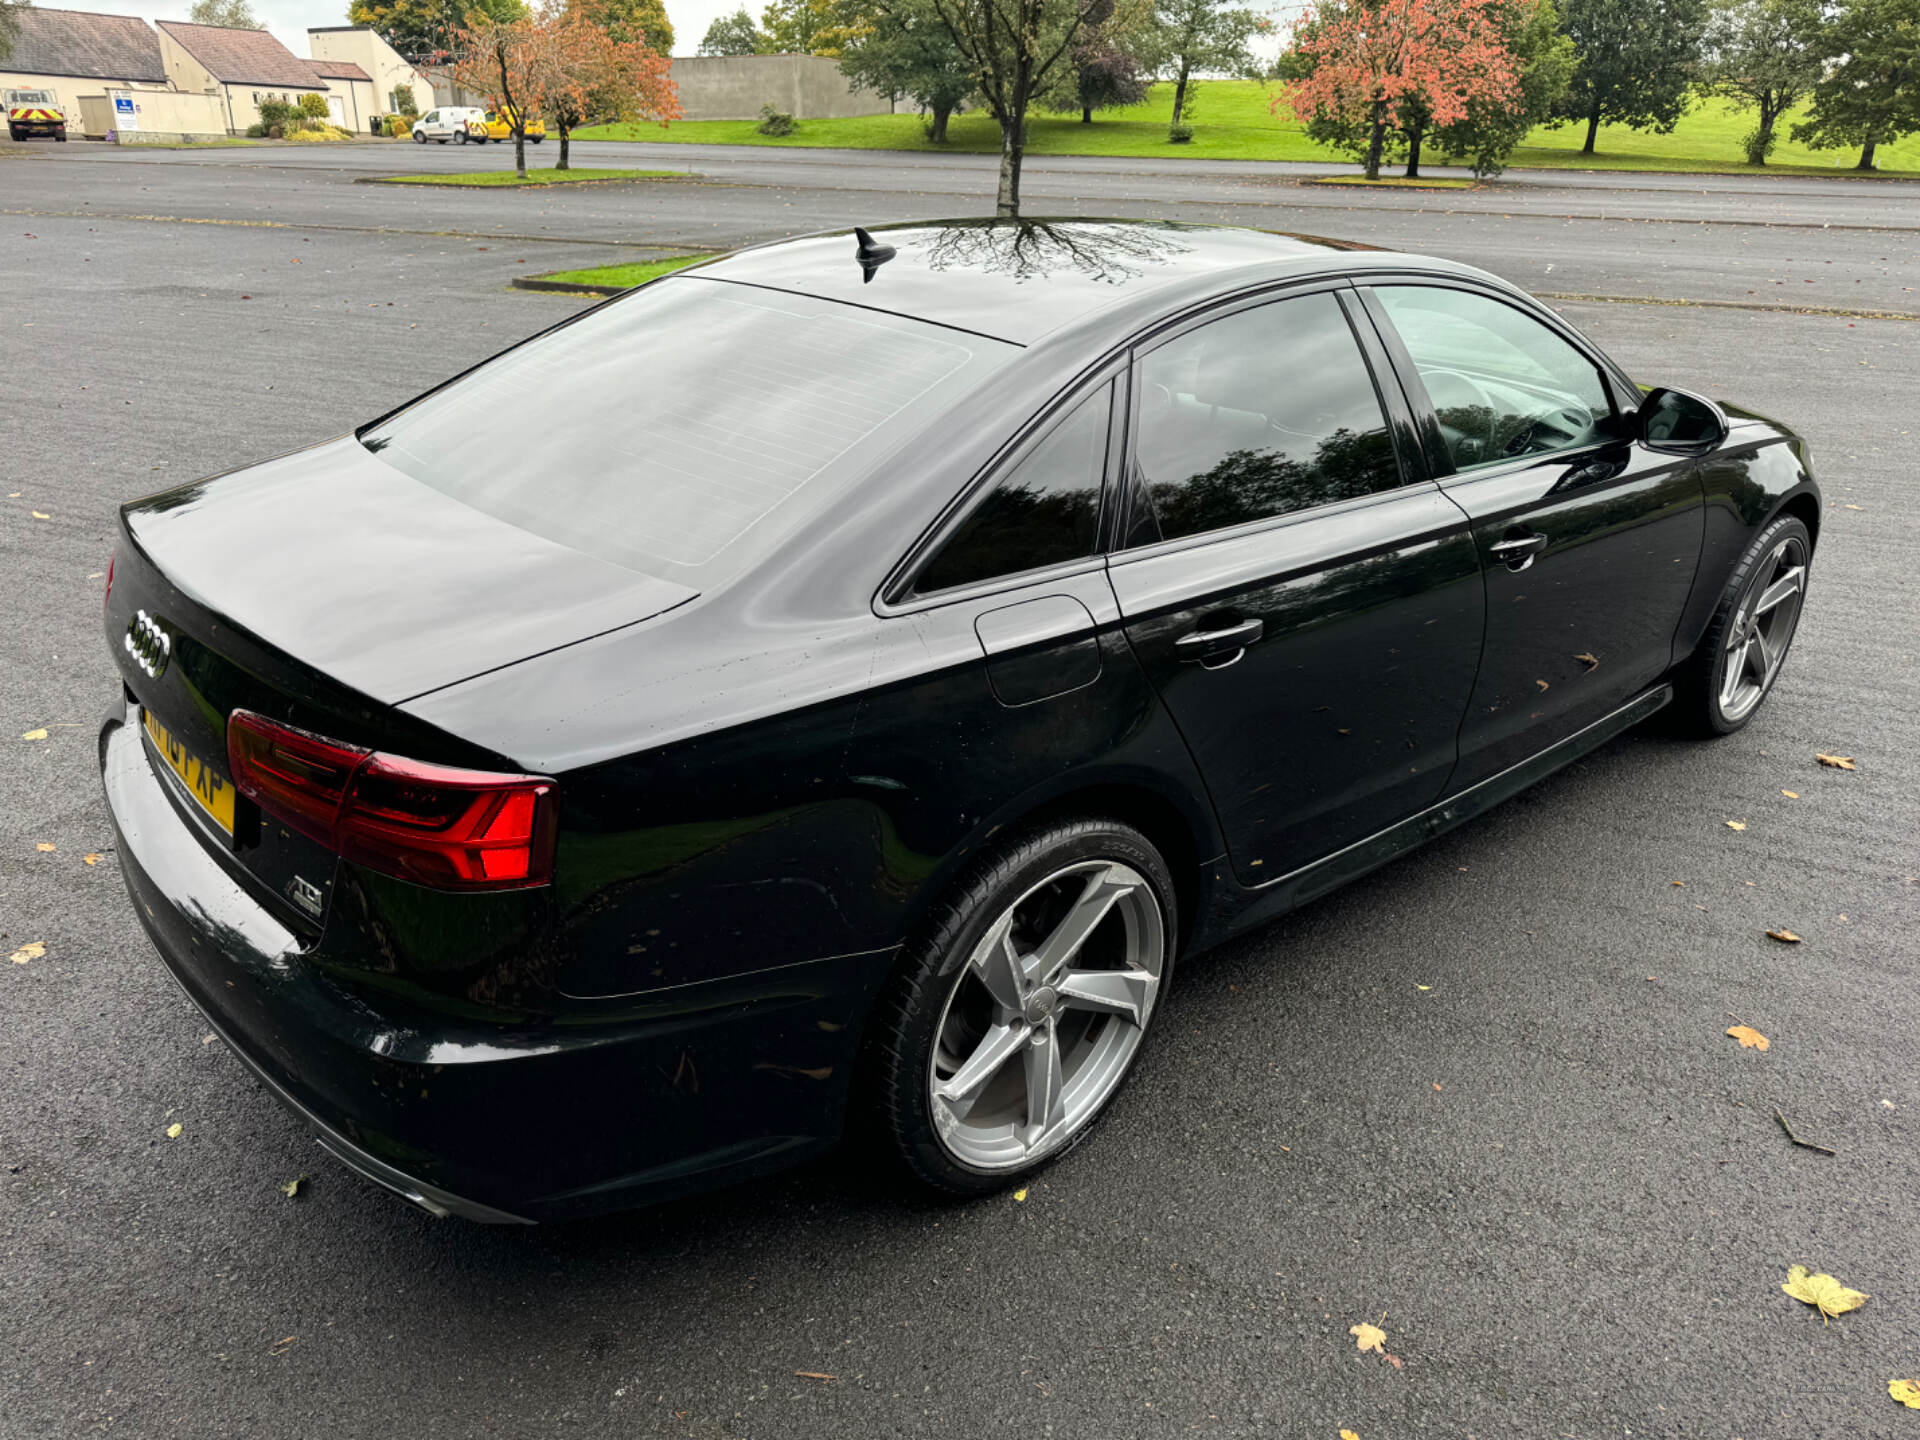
point(1364, 62)
point(560, 64)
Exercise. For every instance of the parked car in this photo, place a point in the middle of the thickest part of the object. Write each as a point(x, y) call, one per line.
point(498, 125)
point(837, 683)
point(448, 122)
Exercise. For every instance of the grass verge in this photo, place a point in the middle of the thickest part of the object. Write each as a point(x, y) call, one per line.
point(1394, 182)
point(1234, 122)
point(610, 279)
point(509, 180)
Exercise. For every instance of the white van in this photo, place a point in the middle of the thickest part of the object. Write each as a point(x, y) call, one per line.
point(448, 122)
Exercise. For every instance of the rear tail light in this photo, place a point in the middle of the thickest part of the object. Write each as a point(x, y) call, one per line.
point(431, 824)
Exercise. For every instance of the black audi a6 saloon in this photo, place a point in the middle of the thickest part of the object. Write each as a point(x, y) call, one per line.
point(833, 685)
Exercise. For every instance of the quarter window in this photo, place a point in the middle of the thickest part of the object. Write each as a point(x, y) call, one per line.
point(1264, 412)
point(1045, 511)
point(1502, 384)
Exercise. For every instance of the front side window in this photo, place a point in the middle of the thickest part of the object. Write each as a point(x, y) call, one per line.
point(1045, 511)
point(1264, 412)
point(1502, 384)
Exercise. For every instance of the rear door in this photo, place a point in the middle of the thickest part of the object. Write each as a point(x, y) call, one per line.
point(1306, 601)
point(1589, 540)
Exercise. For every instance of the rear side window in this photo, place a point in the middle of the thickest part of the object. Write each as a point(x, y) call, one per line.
point(1261, 413)
point(662, 430)
point(1045, 511)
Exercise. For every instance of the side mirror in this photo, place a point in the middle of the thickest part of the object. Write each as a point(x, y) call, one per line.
point(1680, 423)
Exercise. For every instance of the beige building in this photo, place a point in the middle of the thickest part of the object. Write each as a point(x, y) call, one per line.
point(386, 70)
point(240, 67)
point(75, 53)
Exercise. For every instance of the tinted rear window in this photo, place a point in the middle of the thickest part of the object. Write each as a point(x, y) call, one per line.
point(663, 431)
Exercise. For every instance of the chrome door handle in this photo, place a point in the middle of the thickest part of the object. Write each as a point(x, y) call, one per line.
point(1212, 644)
point(1516, 552)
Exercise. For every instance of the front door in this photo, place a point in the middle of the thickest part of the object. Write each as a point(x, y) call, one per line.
point(1589, 541)
point(1309, 611)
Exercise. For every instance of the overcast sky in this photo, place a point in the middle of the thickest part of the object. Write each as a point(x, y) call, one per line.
point(289, 19)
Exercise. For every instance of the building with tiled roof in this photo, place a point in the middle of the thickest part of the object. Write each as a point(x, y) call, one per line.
point(392, 78)
point(75, 52)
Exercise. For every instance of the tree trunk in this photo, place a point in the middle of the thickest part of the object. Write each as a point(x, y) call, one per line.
point(1179, 95)
point(1593, 129)
point(1012, 148)
point(1866, 156)
point(940, 116)
point(565, 131)
point(1086, 114)
point(1377, 141)
point(1413, 150)
point(520, 148)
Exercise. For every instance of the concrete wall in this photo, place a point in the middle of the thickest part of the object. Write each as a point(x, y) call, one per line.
point(163, 116)
point(68, 90)
point(734, 87)
point(378, 59)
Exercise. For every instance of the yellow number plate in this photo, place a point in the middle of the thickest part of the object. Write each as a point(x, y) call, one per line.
point(213, 792)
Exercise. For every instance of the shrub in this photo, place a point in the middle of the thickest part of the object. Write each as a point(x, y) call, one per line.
point(318, 135)
point(1757, 149)
point(1180, 134)
point(399, 126)
point(282, 118)
point(775, 122)
point(404, 102)
point(313, 104)
point(257, 131)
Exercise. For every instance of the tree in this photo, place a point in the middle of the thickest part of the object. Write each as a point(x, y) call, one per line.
point(583, 73)
point(734, 34)
point(508, 61)
point(1112, 64)
point(1373, 64)
point(1013, 47)
point(423, 30)
point(1545, 58)
point(1765, 54)
point(232, 14)
point(1202, 35)
point(1636, 59)
point(1871, 89)
point(801, 27)
point(901, 48)
point(643, 20)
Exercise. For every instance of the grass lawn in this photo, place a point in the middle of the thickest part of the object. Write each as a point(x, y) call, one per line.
point(509, 180)
point(1393, 182)
point(620, 277)
point(1233, 123)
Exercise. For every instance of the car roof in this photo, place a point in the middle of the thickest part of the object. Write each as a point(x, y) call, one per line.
point(1022, 280)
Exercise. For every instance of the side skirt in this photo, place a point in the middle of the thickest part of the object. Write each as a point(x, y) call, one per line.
point(1246, 907)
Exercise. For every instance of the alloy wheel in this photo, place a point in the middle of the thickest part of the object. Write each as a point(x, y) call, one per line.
point(1045, 1018)
point(1762, 629)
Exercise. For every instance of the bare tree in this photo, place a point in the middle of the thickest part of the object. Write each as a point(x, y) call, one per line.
point(1013, 47)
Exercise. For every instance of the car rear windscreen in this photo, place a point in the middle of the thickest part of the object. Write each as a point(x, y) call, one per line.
point(659, 431)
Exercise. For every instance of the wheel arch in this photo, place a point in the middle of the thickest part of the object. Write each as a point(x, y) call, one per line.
point(1804, 506)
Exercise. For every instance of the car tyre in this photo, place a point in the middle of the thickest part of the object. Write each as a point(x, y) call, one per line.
point(1019, 1009)
point(419, 137)
point(1733, 671)
point(460, 137)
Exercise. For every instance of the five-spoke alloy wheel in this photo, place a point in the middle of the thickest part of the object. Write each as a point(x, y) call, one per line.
point(1746, 644)
point(1013, 1023)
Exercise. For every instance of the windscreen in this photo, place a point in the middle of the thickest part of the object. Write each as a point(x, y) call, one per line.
point(673, 431)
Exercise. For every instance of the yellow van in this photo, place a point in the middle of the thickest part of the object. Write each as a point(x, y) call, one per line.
point(498, 125)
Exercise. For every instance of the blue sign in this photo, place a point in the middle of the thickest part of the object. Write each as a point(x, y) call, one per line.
point(123, 105)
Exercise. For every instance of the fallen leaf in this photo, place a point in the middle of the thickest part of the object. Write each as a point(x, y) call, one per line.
point(32, 950)
point(1823, 1292)
point(91, 858)
point(40, 515)
point(206, 1039)
point(294, 1186)
point(812, 1375)
point(34, 735)
point(1785, 937)
point(1681, 883)
point(1749, 1038)
point(1791, 794)
point(1736, 824)
point(1543, 684)
point(281, 1347)
point(1423, 987)
point(1396, 1362)
point(1348, 1435)
point(1592, 662)
point(1369, 1337)
point(1836, 762)
point(1907, 1392)
point(173, 1130)
point(1021, 1195)
point(45, 847)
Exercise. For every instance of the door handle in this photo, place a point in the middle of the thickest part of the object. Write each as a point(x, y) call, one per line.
point(1212, 644)
point(1519, 547)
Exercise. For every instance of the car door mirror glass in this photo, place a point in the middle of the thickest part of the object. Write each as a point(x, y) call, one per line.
point(1678, 421)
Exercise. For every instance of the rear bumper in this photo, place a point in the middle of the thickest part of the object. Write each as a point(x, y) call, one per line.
point(677, 1093)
